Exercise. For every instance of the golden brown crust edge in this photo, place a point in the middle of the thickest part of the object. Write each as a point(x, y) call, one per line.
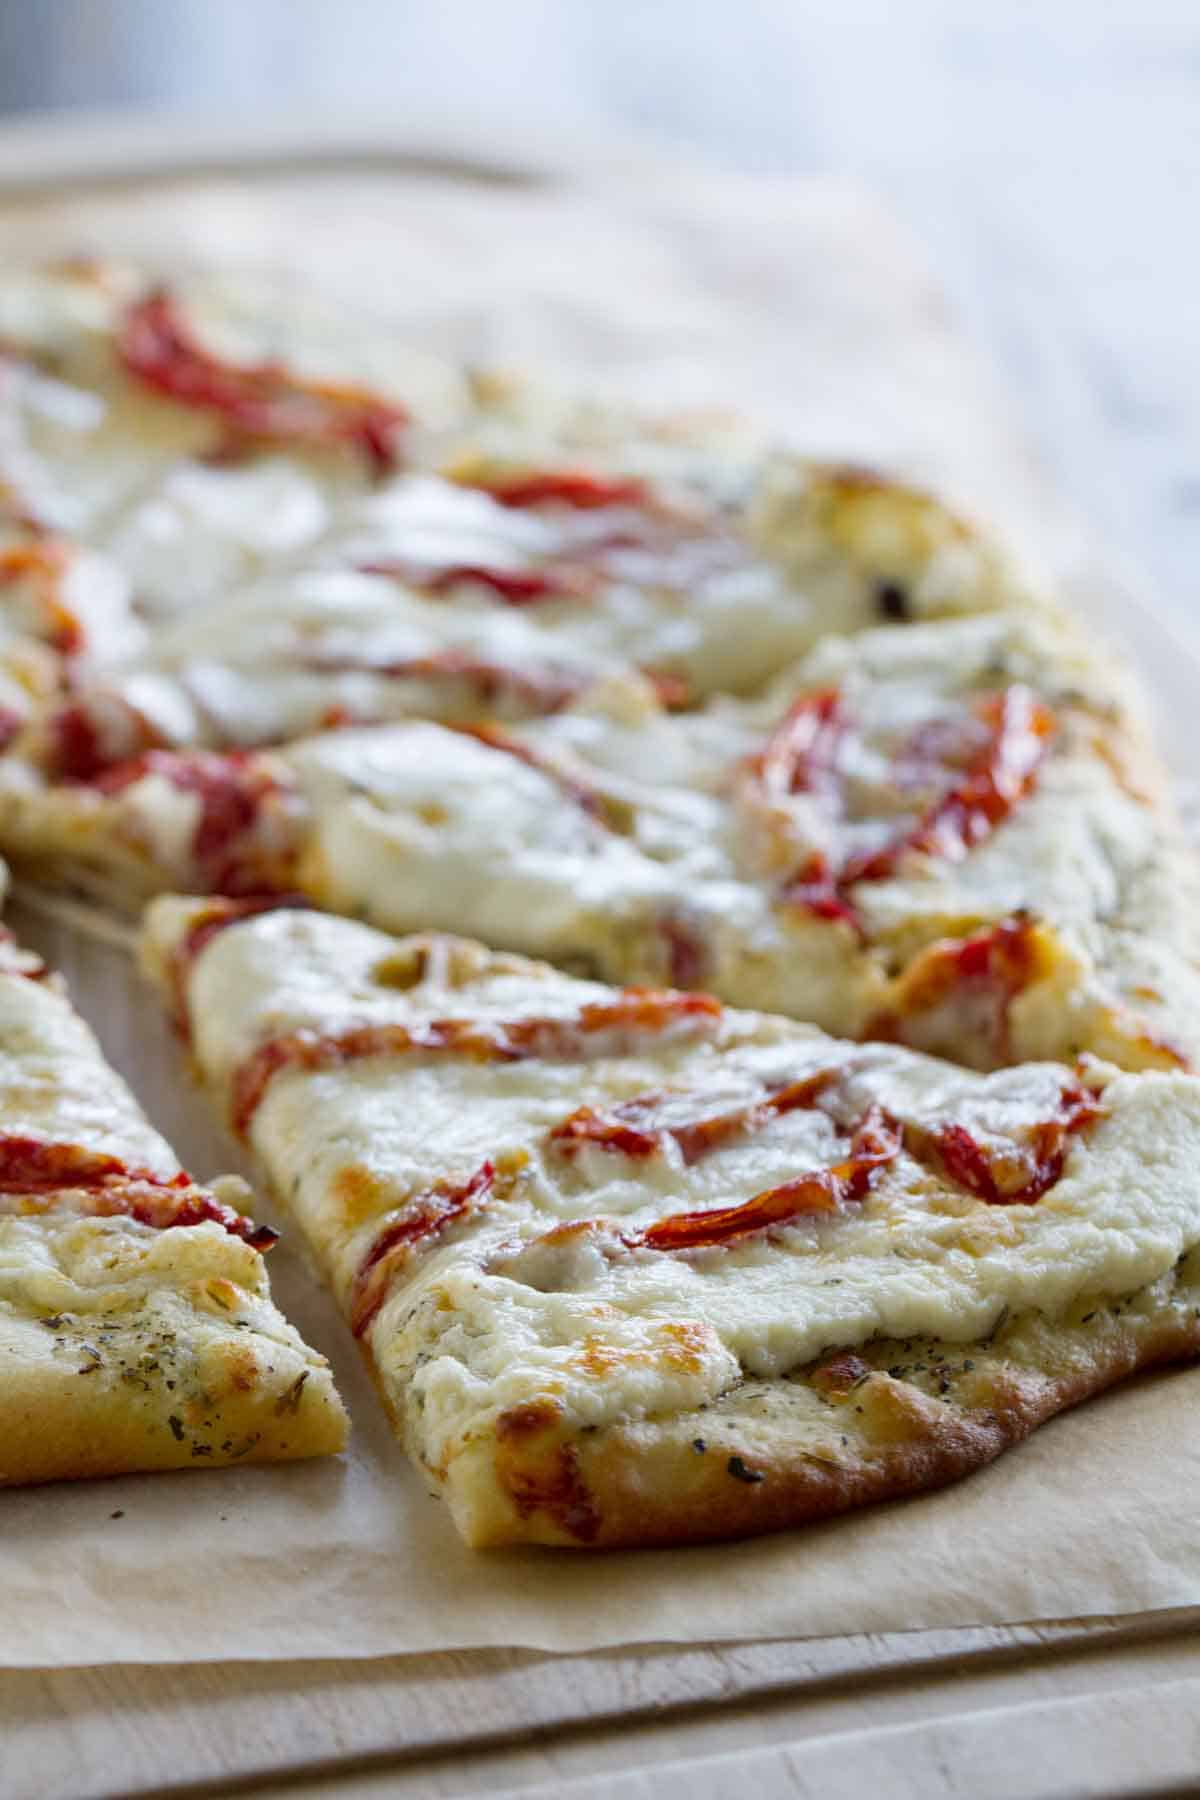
point(256, 1401)
point(887, 1420)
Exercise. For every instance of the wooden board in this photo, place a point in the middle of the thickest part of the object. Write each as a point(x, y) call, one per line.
point(472, 1722)
point(929, 1713)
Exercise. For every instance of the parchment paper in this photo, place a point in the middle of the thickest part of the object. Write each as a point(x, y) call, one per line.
point(801, 302)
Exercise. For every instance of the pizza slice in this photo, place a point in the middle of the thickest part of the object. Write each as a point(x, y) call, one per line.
point(630, 1268)
point(953, 837)
point(137, 1330)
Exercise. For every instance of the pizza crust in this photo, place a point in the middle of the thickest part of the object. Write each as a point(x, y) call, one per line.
point(769, 1457)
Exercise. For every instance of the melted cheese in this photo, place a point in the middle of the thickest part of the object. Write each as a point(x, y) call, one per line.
point(55, 1086)
point(206, 530)
point(422, 824)
point(109, 1266)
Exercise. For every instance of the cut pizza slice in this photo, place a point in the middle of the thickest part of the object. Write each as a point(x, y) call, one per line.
point(953, 838)
point(629, 1268)
point(137, 1330)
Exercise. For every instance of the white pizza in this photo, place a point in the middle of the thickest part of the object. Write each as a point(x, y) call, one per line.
point(137, 1330)
point(632, 1268)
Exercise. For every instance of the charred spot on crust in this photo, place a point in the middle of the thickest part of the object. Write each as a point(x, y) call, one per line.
point(242, 1368)
point(856, 478)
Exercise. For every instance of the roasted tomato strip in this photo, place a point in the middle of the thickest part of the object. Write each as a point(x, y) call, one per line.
point(1006, 1179)
point(590, 799)
point(574, 488)
point(36, 1174)
point(875, 1144)
point(638, 1127)
point(85, 738)
point(805, 754)
point(1019, 731)
point(651, 542)
point(1000, 1176)
point(802, 755)
point(263, 400)
point(990, 968)
point(687, 955)
point(508, 1040)
point(76, 752)
point(424, 1218)
point(11, 725)
point(543, 688)
point(516, 587)
point(817, 890)
point(232, 788)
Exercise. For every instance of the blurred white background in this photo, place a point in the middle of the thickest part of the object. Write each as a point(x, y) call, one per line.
point(1048, 154)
